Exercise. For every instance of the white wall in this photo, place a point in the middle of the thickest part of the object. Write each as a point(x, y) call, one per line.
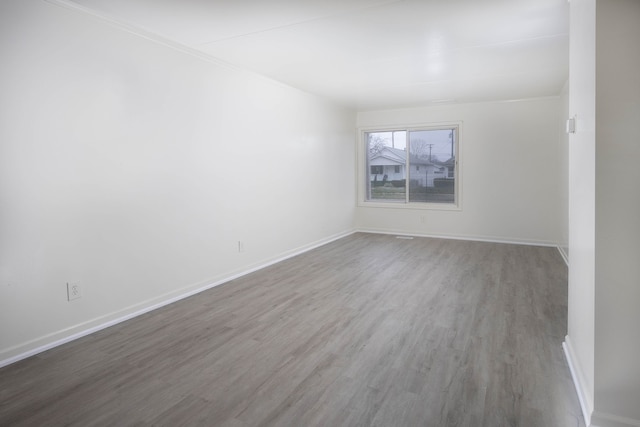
point(604, 237)
point(133, 169)
point(563, 158)
point(579, 342)
point(617, 213)
point(510, 173)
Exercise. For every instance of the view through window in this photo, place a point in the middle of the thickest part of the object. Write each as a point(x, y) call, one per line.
point(412, 166)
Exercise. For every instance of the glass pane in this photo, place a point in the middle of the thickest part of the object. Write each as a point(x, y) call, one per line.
point(386, 165)
point(432, 163)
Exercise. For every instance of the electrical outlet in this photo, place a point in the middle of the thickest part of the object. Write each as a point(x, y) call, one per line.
point(73, 291)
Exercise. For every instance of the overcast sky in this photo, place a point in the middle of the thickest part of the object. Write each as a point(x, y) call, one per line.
point(440, 140)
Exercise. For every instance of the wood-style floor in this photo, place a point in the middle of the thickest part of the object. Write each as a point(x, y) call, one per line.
point(370, 330)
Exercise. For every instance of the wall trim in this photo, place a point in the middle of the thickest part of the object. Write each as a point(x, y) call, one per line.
point(602, 419)
point(443, 105)
point(564, 254)
point(58, 338)
point(133, 29)
point(118, 23)
point(578, 381)
point(474, 238)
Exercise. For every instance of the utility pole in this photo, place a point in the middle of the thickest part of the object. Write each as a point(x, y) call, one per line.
point(426, 176)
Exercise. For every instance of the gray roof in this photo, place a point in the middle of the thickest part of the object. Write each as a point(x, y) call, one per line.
point(400, 156)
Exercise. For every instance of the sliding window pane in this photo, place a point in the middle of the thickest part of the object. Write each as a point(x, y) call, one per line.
point(432, 161)
point(386, 165)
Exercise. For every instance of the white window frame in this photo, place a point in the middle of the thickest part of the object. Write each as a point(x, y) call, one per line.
point(362, 168)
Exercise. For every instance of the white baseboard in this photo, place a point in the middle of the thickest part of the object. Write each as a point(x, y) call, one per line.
point(488, 239)
point(586, 401)
point(55, 339)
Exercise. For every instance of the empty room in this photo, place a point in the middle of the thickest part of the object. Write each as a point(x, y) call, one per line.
point(319, 213)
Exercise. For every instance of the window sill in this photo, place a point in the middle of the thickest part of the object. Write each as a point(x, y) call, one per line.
point(411, 206)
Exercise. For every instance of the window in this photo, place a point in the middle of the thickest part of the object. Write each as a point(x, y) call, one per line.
point(424, 162)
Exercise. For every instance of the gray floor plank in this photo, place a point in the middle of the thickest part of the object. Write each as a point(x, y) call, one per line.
point(367, 330)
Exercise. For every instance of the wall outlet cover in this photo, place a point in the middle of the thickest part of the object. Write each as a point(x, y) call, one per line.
point(73, 291)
